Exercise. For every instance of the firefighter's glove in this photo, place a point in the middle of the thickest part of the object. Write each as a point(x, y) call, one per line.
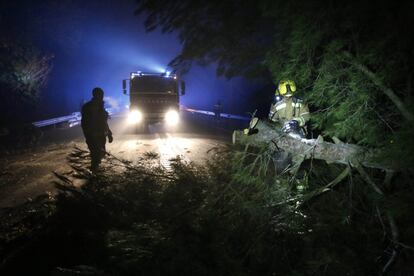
point(110, 138)
point(291, 126)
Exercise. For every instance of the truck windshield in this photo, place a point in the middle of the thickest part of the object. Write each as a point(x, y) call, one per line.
point(153, 85)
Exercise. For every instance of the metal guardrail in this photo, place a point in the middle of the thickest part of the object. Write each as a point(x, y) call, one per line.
point(75, 118)
point(210, 113)
point(72, 120)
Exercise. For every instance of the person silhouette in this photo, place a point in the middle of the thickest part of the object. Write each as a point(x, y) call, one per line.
point(95, 127)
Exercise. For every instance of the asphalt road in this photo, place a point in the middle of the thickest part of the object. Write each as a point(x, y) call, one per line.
point(191, 140)
point(28, 175)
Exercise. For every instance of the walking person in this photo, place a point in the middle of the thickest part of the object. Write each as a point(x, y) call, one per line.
point(95, 127)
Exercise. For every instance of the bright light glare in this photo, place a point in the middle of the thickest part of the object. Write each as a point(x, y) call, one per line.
point(172, 118)
point(156, 69)
point(134, 117)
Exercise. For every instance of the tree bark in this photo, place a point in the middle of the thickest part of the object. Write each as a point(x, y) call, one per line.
point(341, 153)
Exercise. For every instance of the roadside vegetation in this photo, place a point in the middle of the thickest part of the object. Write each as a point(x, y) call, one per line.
point(236, 215)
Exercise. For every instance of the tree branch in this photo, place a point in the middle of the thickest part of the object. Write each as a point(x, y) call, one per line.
point(386, 90)
point(327, 187)
point(368, 179)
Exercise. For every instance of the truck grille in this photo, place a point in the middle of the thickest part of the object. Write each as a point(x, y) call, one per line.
point(154, 104)
point(154, 101)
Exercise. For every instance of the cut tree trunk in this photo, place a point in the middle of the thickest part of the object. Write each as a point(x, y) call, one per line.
point(342, 153)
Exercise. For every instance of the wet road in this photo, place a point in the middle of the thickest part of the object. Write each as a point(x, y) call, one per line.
point(190, 141)
point(26, 176)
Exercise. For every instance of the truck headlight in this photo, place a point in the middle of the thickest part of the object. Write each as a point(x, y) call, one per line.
point(172, 118)
point(134, 116)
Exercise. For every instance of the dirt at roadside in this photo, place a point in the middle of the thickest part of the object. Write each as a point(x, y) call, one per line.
point(24, 177)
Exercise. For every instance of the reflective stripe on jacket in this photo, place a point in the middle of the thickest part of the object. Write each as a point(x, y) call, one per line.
point(288, 109)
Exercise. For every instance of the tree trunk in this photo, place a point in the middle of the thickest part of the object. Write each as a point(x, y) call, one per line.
point(342, 153)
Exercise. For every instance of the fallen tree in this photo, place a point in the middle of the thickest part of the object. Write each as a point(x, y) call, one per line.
point(338, 152)
point(351, 155)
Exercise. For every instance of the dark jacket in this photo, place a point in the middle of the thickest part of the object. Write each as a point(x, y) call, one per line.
point(95, 119)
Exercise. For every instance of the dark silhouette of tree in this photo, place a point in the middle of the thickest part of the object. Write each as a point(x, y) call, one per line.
point(24, 70)
point(233, 34)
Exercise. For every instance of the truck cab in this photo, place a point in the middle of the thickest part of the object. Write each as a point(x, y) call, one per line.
point(153, 98)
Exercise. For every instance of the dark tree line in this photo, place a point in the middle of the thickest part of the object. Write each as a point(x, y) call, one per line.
point(24, 70)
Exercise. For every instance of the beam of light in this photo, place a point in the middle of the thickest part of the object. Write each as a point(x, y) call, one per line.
point(134, 117)
point(172, 118)
point(171, 147)
point(156, 68)
point(166, 152)
point(180, 143)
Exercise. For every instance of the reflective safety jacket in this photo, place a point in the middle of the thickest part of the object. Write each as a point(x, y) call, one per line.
point(289, 108)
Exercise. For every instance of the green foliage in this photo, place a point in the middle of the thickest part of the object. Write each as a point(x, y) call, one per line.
point(314, 50)
point(399, 150)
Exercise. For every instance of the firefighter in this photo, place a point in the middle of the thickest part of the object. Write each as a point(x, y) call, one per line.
point(290, 112)
point(95, 127)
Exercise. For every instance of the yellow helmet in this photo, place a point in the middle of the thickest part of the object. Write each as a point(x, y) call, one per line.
point(286, 87)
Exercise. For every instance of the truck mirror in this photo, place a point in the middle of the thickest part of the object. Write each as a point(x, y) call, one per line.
point(124, 86)
point(182, 88)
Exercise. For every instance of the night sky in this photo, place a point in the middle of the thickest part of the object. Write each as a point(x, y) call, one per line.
point(98, 43)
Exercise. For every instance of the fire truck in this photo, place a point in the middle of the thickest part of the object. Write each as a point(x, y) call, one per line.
point(153, 98)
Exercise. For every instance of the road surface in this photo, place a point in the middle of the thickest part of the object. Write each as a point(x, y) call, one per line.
point(26, 176)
